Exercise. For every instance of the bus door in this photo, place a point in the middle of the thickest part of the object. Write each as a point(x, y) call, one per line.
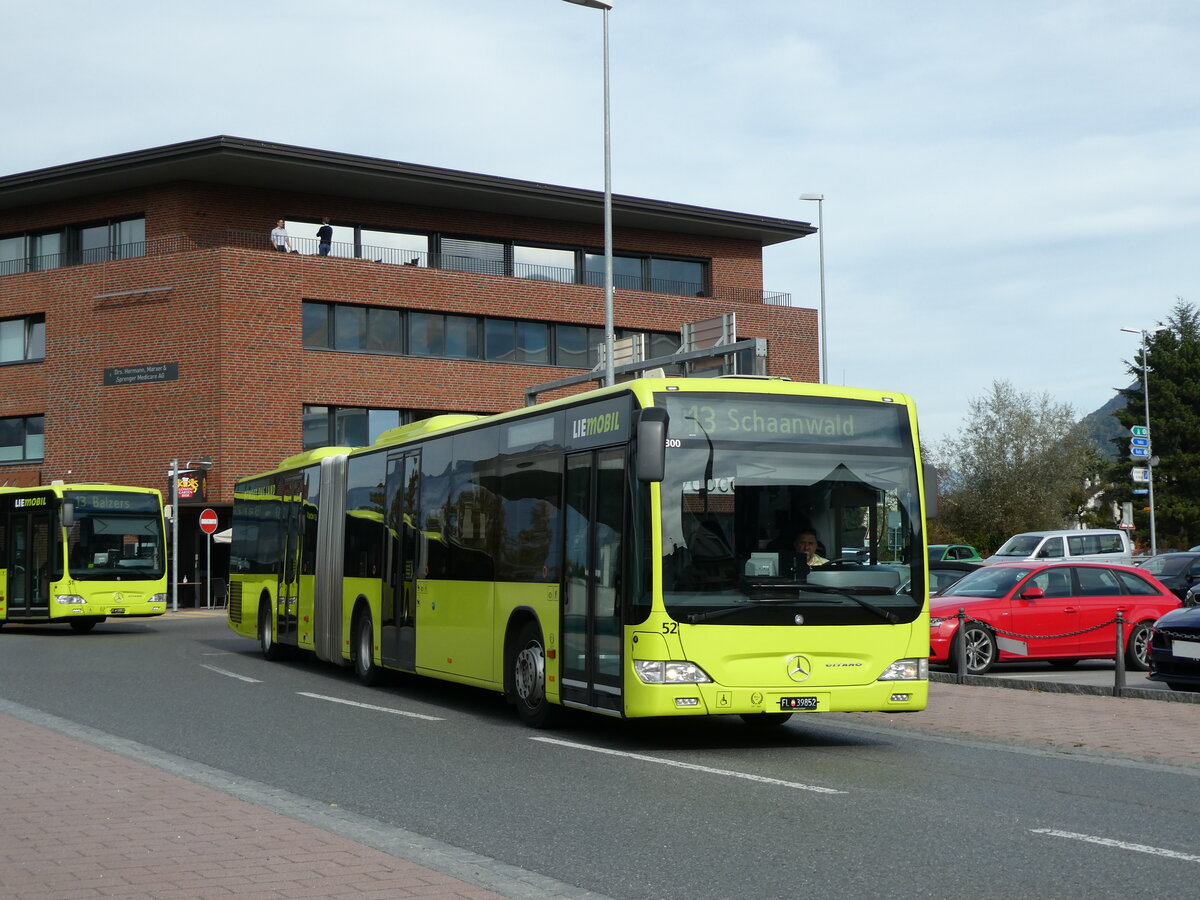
point(29, 548)
point(292, 534)
point(591, 628)
point(398, 615)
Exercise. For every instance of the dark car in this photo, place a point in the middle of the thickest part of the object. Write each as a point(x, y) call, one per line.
point(942, 575)
point(945, 573)
point(1175, 649)
point(1177, 571)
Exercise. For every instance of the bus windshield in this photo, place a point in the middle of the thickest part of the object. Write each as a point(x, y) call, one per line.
point(115, 535)
point(747, 473)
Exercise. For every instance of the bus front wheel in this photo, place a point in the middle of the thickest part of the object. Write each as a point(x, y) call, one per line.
point(364, 651)
point(84, 625)
point(529, 679)
point(266, 633)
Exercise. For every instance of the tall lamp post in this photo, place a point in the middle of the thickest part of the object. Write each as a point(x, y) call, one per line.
point(1150, 458)
point(820, 199)
point(609, 377)
point(205, 464)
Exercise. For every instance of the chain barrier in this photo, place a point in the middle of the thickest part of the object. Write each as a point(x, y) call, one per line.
point(960, 642)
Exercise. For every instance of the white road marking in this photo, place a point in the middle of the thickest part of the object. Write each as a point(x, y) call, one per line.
point(231, 674)
point(696, 768)
point(386, 709)
point(1119, 845)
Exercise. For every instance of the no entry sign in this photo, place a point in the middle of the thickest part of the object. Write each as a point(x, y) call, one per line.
point(208, 521)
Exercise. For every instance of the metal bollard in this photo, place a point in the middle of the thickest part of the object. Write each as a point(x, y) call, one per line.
point(1119, 678)
point(960, 645)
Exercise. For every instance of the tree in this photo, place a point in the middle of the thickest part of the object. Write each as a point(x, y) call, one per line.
point(1172, 376)
point(1020, 463)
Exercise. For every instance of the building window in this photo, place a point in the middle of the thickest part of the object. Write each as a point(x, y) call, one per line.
point(93, 242)
point(650, 273)
point(354, 426)
point(23, 339)
point(481, 257)
point(426, 334)
point(627, 271)
point(371, 329)
point(349, 327)
point(676, 276)
point(395, 247)
point(22, 438)
point(346, 426)
point(14, 254)
point(354, 329)
point(544, 264)
point(462, 337)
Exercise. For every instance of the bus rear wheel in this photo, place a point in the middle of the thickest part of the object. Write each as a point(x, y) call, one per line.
point(529, 679)
point(365, 669)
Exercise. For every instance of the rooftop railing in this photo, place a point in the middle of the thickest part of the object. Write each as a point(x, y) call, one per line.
point(399, 256)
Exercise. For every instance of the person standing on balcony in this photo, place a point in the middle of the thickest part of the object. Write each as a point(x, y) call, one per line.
point(279, 238)
point(324, 237)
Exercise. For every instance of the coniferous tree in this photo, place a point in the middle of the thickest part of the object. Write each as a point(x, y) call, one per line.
point(1172, 376)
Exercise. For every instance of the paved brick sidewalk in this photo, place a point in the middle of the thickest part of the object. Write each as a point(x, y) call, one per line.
point(1139, 729)
point(80, 822)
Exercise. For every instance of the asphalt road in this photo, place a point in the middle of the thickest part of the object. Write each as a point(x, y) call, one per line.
point(693, 809)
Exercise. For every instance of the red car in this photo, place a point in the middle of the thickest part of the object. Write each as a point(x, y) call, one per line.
point(1045, 611)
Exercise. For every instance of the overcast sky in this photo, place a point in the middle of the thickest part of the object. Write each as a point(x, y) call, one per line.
point(1007, 184)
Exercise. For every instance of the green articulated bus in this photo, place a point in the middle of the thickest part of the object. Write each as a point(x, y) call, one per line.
point(625, 551)
point(81, 553)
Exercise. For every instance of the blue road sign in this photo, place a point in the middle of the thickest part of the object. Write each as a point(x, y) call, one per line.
point(1139, 451)
point(1141, 490)
point(1139, 442)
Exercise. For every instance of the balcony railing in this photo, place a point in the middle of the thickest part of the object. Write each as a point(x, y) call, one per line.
point(252, 240)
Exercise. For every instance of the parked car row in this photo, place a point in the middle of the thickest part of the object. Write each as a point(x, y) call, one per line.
point(1054, 596)
point(1059, 612)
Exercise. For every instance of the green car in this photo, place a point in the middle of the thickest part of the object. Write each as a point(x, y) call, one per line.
point(961, 552)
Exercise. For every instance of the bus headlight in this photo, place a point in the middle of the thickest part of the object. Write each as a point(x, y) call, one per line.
point(907, 670)
point(656, 671)
point(158, 598)
point(68, 599)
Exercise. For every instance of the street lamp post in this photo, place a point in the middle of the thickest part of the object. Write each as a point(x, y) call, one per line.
point(1150, 459)
point(820, 199)
point(609, 377)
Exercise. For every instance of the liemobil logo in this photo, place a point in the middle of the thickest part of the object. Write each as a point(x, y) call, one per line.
point(593, 425)
point(799, 668)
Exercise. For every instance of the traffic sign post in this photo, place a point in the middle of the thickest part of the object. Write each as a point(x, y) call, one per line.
point(208, 524)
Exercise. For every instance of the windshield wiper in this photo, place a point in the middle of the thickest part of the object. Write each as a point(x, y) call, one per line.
point(742, 606)
point(886, 614)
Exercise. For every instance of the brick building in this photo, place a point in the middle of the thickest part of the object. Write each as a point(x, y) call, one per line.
point(145, 317)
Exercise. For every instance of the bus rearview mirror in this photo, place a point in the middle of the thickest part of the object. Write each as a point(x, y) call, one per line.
point(652, 444)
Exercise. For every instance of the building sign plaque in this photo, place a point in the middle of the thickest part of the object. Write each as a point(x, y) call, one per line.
point(141, 374)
